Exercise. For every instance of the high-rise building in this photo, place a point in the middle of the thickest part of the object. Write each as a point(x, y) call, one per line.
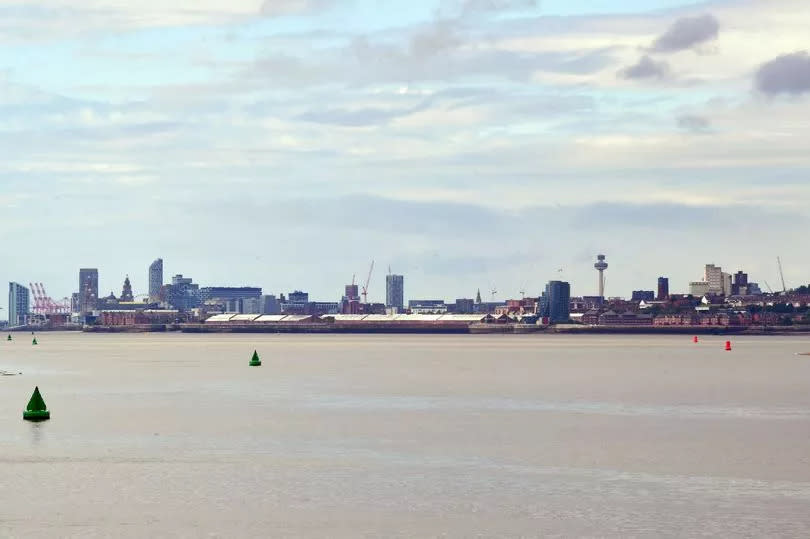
point(663, 289)
point(155, 279)
point(395, 291)
point(183, 294)
point(126, 292)
point(18, 304)
point(555, 302)
point(727, 283)
point(270, 305)
point(88, 289)
point(740, 286)
point(714, 276)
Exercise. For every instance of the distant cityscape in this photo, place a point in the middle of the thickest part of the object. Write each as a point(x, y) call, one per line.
point(719, 299)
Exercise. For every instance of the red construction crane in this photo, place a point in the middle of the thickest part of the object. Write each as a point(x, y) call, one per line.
point(368, 280)
point(43, 304)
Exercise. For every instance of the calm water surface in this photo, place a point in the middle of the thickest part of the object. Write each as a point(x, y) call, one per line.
point(405, 436)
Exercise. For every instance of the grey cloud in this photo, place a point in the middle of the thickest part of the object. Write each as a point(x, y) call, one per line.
point(687, 32)
point(646, 68)
point(693, 123)
point(789, 74)
point(437, 38)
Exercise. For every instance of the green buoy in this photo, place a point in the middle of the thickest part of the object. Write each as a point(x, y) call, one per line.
point(9, 337)
point(36, 409)
point(34, 342)
point(255, 361)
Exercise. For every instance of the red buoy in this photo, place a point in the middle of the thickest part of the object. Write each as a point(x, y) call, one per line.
point(695, 339)
point(728, 346)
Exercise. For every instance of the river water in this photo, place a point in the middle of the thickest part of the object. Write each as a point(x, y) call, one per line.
point(169, 435)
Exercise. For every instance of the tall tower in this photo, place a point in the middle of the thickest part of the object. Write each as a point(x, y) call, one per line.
point(395, 291)
point(155, 279)
point(88, 289)
point(601, 266)
point(126, 293)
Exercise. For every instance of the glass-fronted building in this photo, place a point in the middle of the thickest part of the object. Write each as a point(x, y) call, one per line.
point(18, 304)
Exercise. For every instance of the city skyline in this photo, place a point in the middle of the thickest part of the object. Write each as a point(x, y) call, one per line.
point(469, 144)
point(714, 281)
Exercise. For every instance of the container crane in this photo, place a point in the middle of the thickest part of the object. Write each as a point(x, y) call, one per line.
point(368, 280)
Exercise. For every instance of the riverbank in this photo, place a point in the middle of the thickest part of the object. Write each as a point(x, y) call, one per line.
point(431, 328)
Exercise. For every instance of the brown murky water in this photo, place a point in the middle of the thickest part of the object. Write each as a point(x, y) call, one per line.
point(405, 436)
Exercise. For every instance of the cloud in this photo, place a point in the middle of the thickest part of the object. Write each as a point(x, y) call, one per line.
point(789, 74)
point(362, 117)
point(483, 6)
point(288, 7)
point(693, 123)
point(646, 68)
point(435, 39)
point(687, 32)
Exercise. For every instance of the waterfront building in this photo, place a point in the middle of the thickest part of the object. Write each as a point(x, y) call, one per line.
point(395, 291)
point(427, 306)
point(183, 294)
point(224, 294)
point(88, 290)
point(298, 297)
point(270, 305)
point(350, 303)
point(464, 306)
point(18, 304)
point(699, 288)
point(643, 295)
point(155, 279)
point(126, 292)
point(663, 289)
point(310, 307)
point(555, 302)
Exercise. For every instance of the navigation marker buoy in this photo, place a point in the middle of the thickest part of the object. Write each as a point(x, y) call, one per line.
point(34, 342)
point(36, 409)
point(255, 361)
point(695, 339)
point(9, 337)
point(728, 346)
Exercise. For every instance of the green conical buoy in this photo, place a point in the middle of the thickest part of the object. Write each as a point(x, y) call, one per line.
point(9, 337)
point(36, 409)
point(255, 361)
point(34, 341)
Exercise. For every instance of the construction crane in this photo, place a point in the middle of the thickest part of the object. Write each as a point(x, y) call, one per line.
point(368, 280)
point(781, 274)
point(768, 286)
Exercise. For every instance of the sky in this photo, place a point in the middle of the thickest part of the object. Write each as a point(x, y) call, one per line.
point(466, 144)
